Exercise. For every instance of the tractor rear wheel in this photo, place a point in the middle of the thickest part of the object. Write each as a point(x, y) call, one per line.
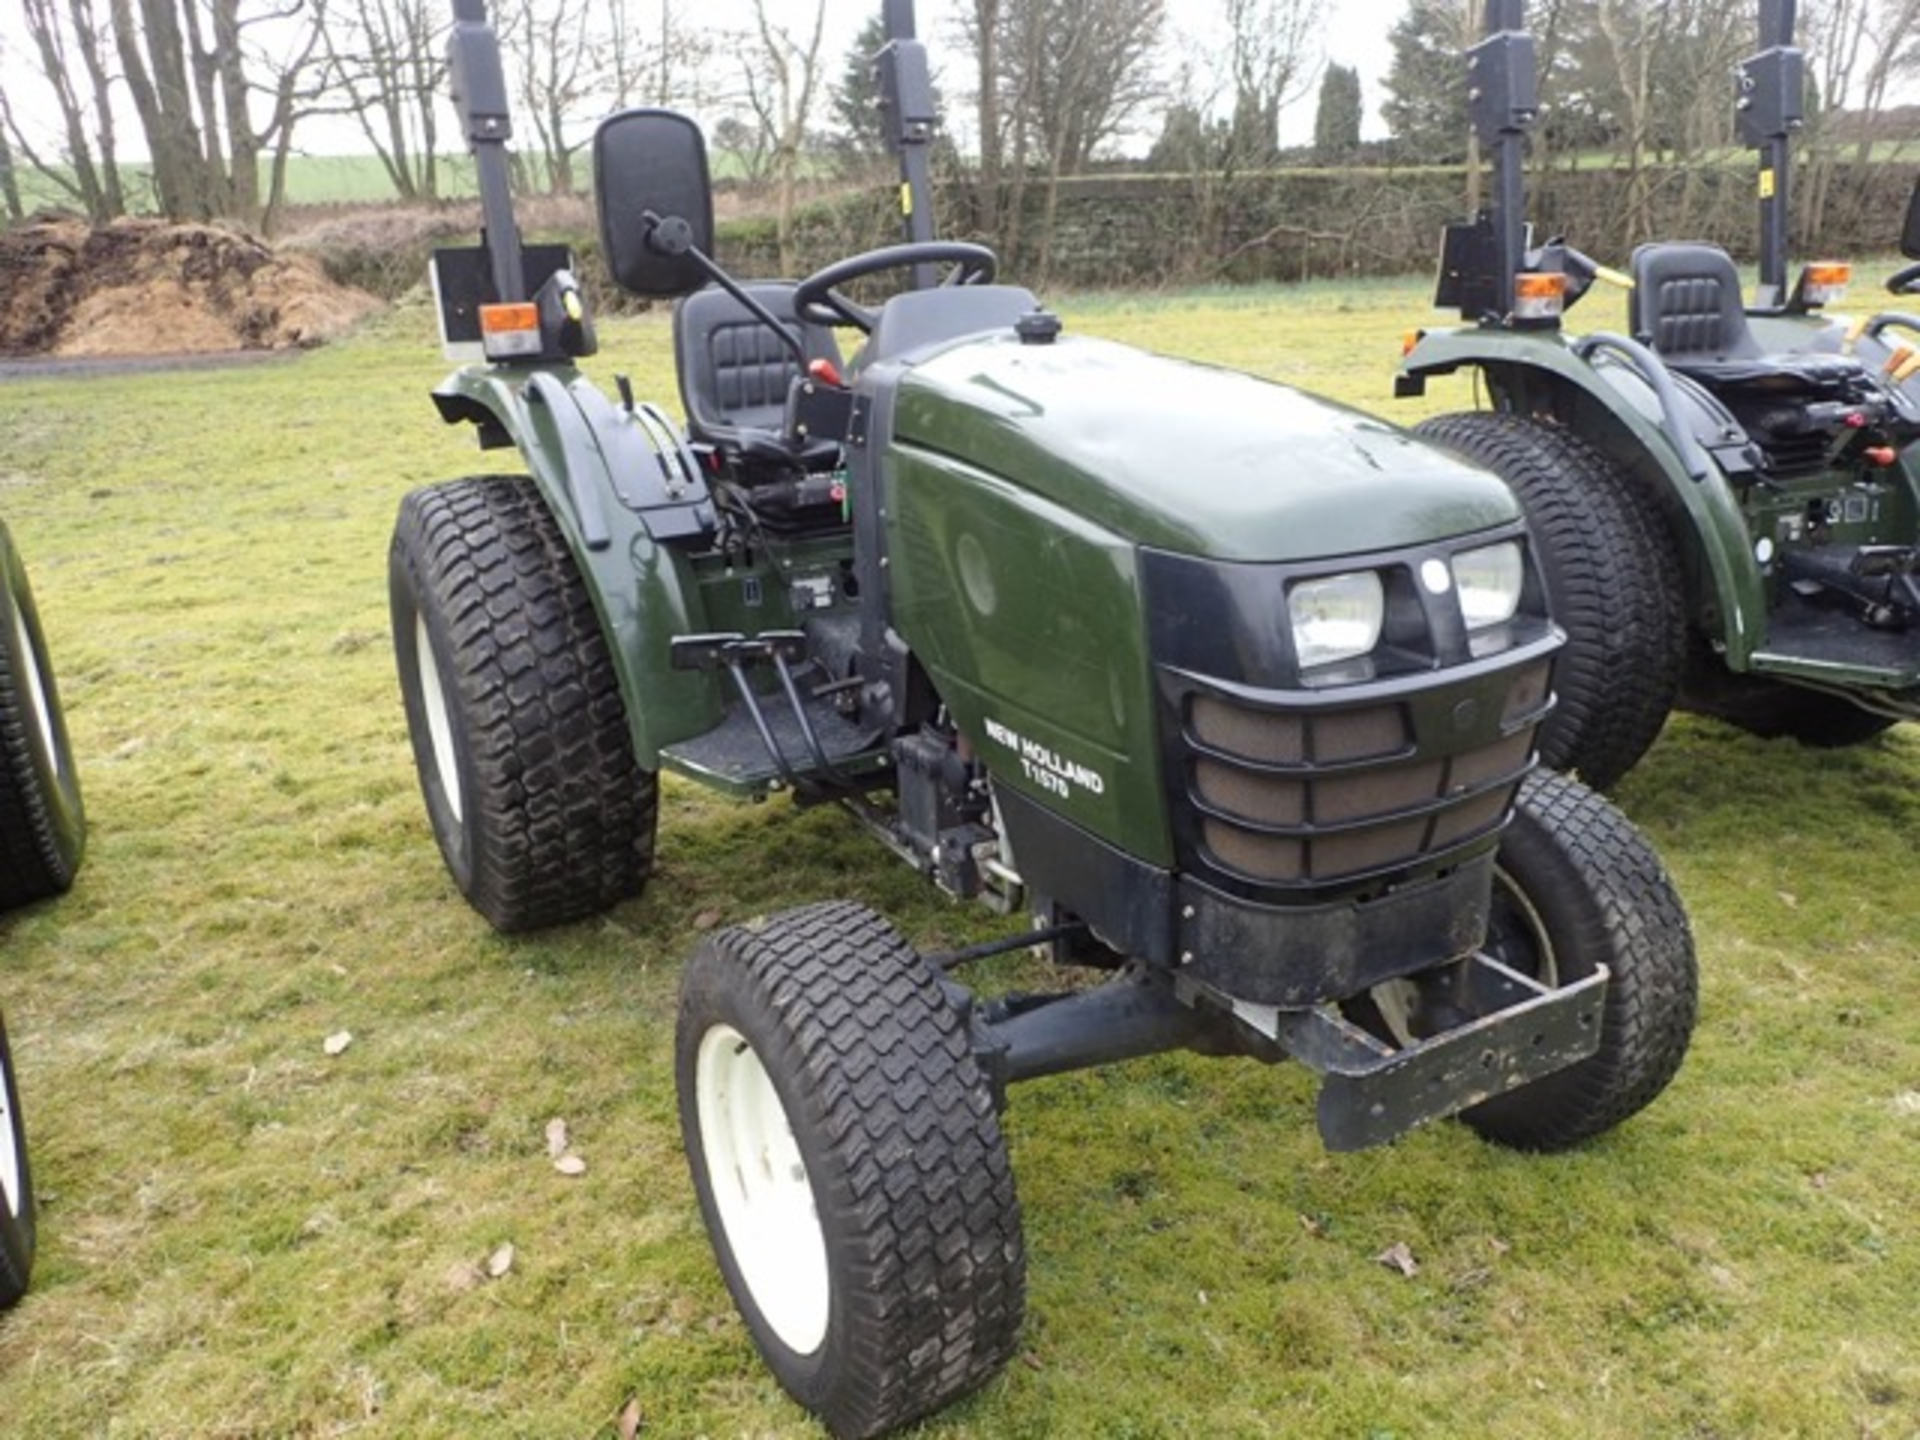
point(1612, 576)
point(849, 1165)
point(43, 825)
point(16, 1186)
point(1576, 886)
point(519, 733)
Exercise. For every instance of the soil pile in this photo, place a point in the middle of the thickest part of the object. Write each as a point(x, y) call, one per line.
point(147, 287)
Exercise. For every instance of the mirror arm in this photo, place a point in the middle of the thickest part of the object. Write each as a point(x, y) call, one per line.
point(727, 283)
point(480, 96)
point(906, 105)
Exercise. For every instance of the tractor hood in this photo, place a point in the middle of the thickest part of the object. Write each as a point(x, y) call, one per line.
point(1187, 457)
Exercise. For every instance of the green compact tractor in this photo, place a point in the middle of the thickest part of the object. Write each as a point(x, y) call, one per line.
point(16, 1186)
point(42, 833)
point(43, 824)
point(1233, 691)
point(1725, 501)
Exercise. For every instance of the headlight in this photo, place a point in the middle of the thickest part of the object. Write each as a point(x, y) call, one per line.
point(1489, 581)
point(1337, 618)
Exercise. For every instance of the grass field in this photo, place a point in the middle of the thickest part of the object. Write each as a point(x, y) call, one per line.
point(332, 180)
point(362, 180)
point(244, 1236)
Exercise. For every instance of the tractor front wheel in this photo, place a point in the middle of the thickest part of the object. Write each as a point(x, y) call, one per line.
point(1576, 886)
point(43, 826)
point(849, 1164)
point(1612, 576)
point(16, 1186)
point(519, 733)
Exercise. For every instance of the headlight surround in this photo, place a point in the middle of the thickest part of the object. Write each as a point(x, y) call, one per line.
point(1336, 617)
point(1489, 582)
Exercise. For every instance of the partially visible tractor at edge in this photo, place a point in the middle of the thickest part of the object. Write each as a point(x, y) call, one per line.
point(1725, 499)
point(43, 830)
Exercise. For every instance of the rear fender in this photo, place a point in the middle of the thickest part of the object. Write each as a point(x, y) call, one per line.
point(621, 489)
point(1613, 409)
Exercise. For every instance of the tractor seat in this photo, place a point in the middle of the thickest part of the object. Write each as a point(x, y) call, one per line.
point(1686, 304)
point(736, 375)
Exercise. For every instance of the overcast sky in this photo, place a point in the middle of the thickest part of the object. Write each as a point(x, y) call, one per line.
point(1357, 38)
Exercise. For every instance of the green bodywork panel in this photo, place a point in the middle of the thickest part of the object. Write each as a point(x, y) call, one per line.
point(1186, 457)
point(1022, 482)
point(645, 591)
point(1027, 617)
point(1530, 371)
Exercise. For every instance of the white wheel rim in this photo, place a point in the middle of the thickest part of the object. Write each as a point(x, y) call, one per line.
point(760, 1190)
point(1394, 999)
point(11, 1185)
point(1397, 999)
point(39, 713)
point(439, 724)
point(1547, 970)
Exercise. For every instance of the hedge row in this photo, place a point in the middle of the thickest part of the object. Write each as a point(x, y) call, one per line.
point(1134, 231)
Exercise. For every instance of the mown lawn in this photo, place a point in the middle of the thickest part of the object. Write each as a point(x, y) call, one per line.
point(243, 1236)
point(329, 180)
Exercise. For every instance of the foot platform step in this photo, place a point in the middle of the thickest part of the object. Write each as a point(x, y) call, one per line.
point(770, 740)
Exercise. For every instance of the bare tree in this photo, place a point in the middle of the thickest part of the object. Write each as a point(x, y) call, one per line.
point(1661, 78)
point(1272, 58)
point(9, 181)
point(1080, 71)
point(1693, 109)
point(1872, 43)
point(1071, 75)
point(1223, 119)
point(660, 59)
point(193, 68)
point(294, 89)
point(783, 80)
point(985, 35)
point(1629, 35)
point(1857, 49)
point(70, 49)
point(163, 99)
point(552, 42)
point(385, 61)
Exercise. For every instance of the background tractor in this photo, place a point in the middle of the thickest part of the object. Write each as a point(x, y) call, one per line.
point(1726, 500)
point(16, 1185)
point(1251, 740)
point(43, 826)
point(42, 834)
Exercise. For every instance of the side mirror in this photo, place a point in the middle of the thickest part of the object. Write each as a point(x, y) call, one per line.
point(1910, 232)
point(655, 199)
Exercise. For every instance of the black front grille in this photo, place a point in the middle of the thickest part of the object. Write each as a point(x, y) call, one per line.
point(1284, 796)
point(1287, 785)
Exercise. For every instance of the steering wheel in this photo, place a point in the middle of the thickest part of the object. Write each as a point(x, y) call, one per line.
point(1890, 320)
point(818, 302)
point(1905, 282)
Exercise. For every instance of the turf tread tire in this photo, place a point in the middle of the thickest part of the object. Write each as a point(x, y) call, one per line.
point(1606, 899)
point(901, 1138)
point(558, 820)
point(1613, 576)
point(17, 1220)
point(43, 825)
